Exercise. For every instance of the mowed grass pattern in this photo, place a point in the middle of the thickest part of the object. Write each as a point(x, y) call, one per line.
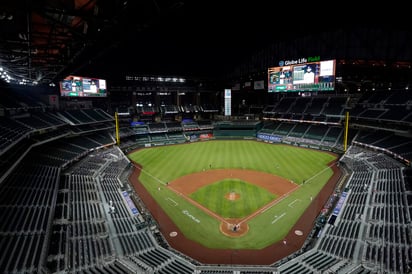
point(250, 198)
point(169, 162)
point(163, 164)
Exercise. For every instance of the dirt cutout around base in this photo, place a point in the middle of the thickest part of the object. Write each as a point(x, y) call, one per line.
point(234, 228)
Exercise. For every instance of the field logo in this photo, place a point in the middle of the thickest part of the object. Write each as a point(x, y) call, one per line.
point(191, 216)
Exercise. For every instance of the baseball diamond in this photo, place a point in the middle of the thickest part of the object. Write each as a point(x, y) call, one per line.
point(233, 230)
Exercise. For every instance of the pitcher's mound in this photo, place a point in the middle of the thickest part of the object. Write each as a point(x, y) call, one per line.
point(232, 196)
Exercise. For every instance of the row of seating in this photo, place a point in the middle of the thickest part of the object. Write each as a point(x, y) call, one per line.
point(373, 225)
point(27, 204)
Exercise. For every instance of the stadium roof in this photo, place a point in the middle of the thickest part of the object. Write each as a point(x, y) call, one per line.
point(45, 40)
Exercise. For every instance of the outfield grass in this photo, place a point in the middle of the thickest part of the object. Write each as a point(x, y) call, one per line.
point(166, 163)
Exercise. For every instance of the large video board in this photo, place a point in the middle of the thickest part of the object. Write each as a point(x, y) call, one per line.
point(314, 76)
point(78, 86)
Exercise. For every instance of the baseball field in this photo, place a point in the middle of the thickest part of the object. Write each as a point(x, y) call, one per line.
point(233, 194)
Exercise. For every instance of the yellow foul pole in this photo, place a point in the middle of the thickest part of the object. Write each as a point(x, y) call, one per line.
point(116, 118)
point(345, 140)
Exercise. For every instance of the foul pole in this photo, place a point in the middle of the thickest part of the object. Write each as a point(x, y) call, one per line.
point(116, 118)
point(345, 139)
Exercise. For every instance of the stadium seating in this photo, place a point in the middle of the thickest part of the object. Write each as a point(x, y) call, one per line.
point(66, 175)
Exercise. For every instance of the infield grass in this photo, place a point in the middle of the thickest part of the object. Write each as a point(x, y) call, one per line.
point(246, 199)
point(166, 163)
